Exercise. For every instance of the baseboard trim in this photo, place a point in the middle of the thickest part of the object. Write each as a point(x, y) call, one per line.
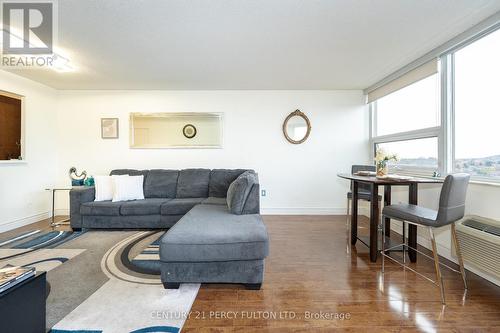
point(310, 211)
point(302, 211)
point(64, 212)
point(24, 221)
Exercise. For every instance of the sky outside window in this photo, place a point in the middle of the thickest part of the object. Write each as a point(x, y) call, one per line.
point(411, 108)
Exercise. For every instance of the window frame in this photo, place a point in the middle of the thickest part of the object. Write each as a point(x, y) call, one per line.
point(445, 132)
point(423, 133)
point(450, 56)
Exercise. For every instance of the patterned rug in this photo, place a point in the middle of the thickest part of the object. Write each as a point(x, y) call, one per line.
point(103, 281)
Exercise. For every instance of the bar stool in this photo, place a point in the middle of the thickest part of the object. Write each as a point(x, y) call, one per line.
point(364, 193)
point(451, 209)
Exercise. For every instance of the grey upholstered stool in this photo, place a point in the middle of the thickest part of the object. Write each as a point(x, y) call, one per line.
point(364, 193)
point(451, 209)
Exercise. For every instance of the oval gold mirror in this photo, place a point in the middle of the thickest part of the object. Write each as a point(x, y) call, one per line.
point(296, 127)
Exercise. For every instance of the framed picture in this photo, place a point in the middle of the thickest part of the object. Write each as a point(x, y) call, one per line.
point(109, 128)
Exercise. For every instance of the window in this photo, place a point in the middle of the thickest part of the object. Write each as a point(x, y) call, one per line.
point(411, 108)
point(406, 122)
point(477, 110)
point(417, 156)
point(444, 121)
point(10, 128)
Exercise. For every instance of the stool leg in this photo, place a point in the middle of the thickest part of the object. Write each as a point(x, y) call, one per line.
point(439, 277)
point(404, 242)
point(380, 204)
point(459, 253)
point(383, 244)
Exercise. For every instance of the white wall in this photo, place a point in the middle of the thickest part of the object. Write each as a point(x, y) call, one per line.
point(22, 196)
point(299, 179)
point(63, 130)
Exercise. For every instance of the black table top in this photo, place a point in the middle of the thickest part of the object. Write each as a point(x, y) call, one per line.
point(390, 181)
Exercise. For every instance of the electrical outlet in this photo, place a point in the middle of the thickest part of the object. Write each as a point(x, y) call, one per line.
point(263, 193)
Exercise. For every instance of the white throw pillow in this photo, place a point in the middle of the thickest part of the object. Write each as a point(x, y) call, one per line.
point(128, 188)
point(103, 188)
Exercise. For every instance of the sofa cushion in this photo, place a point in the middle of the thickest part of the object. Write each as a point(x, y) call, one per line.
point(193, 183)
point(211, 233)
point(151, 206)
point(179, 206)
point(238, 191)
point(161, 184)
point(220, 179)
point(214, 201)
point(103, 208)
point(130, 172)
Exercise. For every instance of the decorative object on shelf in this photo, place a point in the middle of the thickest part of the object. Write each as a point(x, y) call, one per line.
point(77, 179)
point(189, 131)
point(109, 128)
point(296, 127)
point(89, 181)
point(381, 160)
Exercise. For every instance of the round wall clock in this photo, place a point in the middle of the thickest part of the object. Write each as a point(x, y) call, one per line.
point(189, 131)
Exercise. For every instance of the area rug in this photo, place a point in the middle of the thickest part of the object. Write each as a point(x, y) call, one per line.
point(105, 281)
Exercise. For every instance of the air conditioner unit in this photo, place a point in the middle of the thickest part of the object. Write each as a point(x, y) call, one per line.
point(479, 240)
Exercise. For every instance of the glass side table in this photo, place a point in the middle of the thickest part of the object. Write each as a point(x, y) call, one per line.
point(53, 223)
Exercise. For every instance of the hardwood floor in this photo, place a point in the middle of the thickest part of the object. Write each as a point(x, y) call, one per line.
point(43, 225)
point(309, 271)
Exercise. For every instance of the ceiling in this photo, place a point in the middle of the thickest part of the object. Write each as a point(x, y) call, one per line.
point(250, 44)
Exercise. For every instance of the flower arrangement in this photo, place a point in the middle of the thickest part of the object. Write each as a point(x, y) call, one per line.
point(381, 159)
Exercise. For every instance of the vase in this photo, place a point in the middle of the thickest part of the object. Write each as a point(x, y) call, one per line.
point(382, 170)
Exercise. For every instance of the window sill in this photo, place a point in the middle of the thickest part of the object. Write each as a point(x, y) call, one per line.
point(484, 182)
point(472, 181)
point(13, 162)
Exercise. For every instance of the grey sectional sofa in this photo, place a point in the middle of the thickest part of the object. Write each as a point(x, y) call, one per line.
point(216, 234)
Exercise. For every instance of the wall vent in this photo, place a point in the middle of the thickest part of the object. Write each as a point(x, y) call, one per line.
point(479, 240)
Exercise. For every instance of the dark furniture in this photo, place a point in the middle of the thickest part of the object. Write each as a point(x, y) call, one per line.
point(216, 234)
point(375, 209)
point(22, 307)
point(169, 195)
point(364, 193)
point(451, 209)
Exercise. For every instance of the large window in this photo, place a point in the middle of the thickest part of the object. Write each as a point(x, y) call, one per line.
point(477, 108)
point(417, 156)
point(444, 121)
point(406, 122)
point(411, 108)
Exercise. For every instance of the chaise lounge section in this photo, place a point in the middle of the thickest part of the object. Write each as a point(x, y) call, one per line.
point(209, 244)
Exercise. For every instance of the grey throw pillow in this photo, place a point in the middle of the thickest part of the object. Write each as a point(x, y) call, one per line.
point(238, 191)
